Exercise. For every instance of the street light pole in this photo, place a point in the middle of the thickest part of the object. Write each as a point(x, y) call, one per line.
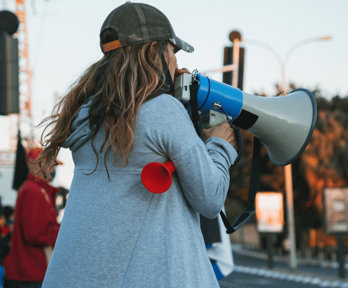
point(287, 168)
point(291, 50)
point(290, 215)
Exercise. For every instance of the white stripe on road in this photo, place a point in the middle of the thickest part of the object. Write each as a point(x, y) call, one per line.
point(264, 256)
point(290, 277)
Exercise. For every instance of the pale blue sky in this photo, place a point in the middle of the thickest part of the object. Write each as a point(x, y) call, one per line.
point(64, 41)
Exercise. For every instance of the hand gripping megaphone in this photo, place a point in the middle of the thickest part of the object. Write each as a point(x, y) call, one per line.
point(284, 124)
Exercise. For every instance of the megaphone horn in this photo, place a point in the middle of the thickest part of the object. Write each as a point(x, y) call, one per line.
point(283, 124)
point(157, 177)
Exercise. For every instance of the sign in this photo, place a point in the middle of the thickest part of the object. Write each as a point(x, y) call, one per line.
point(335, 202)
point(269, 211)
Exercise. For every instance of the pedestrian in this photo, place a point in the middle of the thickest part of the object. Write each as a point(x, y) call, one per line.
point(119, 116)
point(4, 243)
point(9, 220)
point(61, 199)
point(35, 229)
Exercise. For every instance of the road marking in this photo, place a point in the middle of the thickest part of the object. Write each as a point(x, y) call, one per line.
point(290, 277)
point(264, 256)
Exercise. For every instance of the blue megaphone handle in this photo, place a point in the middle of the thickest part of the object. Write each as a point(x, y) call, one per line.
point(211, 91)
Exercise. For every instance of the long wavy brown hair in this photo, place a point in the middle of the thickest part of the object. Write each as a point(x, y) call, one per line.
point(120, 82)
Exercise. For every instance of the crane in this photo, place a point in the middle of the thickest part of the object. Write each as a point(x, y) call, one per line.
point(25, 88)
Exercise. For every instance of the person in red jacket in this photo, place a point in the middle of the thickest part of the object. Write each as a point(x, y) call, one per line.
point(35, 229)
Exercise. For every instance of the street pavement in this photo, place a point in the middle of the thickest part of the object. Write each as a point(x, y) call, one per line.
point(251, 270)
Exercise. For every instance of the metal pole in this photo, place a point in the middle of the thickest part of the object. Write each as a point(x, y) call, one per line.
point(269, 240)
point(235, 61)
point(290, 216)
point(289, 196)
point(287, 169)
point(340, 255)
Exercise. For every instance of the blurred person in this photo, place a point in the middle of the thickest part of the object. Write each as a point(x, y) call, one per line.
point(2, 221)
point(6, 225)
point(61, 199)
point(35, 228)
point(9, 217)
point(117, 118)
point(4, 243)
point(5, 232)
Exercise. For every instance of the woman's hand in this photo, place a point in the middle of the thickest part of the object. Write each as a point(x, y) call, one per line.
point(223, 131)
point(178, 72)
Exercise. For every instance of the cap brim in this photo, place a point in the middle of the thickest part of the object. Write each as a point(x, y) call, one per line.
point(181, 44)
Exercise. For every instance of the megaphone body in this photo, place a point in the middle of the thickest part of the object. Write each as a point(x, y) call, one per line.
point(283, 124)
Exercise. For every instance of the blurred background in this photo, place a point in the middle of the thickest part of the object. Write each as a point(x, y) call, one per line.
point(287, 45)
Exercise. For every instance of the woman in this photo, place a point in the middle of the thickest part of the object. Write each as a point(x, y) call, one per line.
point(119, 117)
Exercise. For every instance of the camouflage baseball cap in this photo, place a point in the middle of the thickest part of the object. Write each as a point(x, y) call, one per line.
point(138, 23)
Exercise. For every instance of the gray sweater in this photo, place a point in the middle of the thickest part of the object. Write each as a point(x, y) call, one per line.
point(116, 233)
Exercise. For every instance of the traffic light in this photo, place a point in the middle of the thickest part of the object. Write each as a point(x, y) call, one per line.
point(228, 60)
point(9, 66)
point(9, 79)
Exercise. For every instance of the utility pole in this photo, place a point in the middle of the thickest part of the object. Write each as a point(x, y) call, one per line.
point(234, 61)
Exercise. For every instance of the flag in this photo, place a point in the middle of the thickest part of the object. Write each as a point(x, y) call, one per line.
point(220, 252)
point(21, 167)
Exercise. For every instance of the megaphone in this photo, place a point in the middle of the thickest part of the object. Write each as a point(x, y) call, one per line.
point(283, 124)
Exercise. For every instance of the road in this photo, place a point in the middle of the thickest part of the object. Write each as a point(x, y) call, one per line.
point(251, 270)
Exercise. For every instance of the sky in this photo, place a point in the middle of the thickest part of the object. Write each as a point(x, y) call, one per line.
point(64, 42)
